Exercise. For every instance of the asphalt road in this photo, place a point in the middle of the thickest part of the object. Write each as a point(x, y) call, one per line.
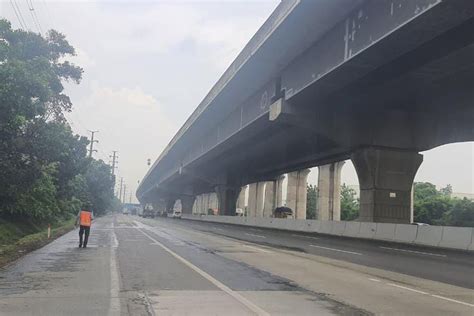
point(136, 266)
point(452, 267)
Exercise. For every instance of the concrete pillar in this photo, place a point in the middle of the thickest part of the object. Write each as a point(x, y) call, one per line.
point(329, 192)
point(170, 205)
point(256, 199)
point(241, 198)
point(297, 192)
point(227, 199)
point(279, 190)
point(270, 198)
point(187, 202)
point(385, 179)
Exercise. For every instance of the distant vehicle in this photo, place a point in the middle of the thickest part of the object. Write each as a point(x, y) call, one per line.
point(283, 212)
point(125, 211)
point(148, 211)
point(176, 214)
point(239, 212)
point(420, 224)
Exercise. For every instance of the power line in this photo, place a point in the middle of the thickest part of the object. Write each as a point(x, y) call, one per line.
point(34, 16)
point(18, 14)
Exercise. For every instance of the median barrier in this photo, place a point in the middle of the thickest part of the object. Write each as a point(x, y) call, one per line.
point(429, 235)
point(471, 246)
point(456, 237)
point(326, 227)
point(367, 230)
point(351, 229)
point(405, 233)
point(385, 231)
point(338, 228)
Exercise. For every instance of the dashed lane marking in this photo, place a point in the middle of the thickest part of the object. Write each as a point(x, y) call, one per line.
point(304, 236)
point(258, 249)
point(407, 288)
point(414, 251)
point(339, 250)
point(253, 235)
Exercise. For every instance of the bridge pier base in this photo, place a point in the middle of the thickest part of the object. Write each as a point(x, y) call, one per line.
point(329, 192)
point(385, 179)
point(227, 199)
point(297, 192)
point(270, 198)
point(256, 199)
point(241, 198)
point(187, 203)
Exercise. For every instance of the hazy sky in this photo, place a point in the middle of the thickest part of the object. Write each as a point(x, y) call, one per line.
point(149, 64)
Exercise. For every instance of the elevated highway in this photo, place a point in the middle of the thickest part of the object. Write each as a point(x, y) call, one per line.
point(375, 81)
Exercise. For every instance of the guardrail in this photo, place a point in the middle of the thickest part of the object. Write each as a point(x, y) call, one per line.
point(435, 236)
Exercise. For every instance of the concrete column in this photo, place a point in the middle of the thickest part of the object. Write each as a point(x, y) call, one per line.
point(297, 192)
point(227, 199)
point(170, 205)
point(279, 190)
point(385, 179)
point(187, 202)
point(241, 198)
point(270, 198)
point(329, 192)
point(256, 199)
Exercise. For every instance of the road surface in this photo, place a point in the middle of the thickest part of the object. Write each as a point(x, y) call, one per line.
point(136, 266)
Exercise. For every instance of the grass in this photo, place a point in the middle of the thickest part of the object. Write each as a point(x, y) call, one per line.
point(20, 237)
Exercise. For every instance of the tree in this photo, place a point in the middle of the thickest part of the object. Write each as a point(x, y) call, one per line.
point(31, 99)
point(349, 203)
point(447, 191)
point(311, 201)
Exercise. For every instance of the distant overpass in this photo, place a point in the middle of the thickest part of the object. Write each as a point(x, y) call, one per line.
point(374, 81)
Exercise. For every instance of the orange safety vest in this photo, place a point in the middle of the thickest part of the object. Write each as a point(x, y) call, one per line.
point(85, 218)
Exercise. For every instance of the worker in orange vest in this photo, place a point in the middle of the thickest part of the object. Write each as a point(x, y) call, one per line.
point(84, 220)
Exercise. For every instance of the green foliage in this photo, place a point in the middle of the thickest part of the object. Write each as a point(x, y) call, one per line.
point(311, 201)
point(438, 208)
point(44, 170)
point(349, 204)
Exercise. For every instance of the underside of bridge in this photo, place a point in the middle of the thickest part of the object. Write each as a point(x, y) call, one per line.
point(382, 84)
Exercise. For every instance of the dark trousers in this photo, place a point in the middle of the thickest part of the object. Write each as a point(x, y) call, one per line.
point(82, 230)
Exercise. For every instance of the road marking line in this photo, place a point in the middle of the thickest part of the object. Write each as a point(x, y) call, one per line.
point(333, 249)
point(451, 300)
point(375, 280)
point(114, 307)
point(258, 249)
point(218, 228)
point(303, 236)
point(256, 229)
point(259, 236)
point(254, 308)
point(407, 288)
point(414, 251)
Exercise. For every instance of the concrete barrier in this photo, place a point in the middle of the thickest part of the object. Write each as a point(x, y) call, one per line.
point(437, 236)
point(326, 227)
point(385, 231)
point(405, 233)
point(367, 230)
point(338, 228)
point(351, 229)
point(456, 237)
point(429, 235)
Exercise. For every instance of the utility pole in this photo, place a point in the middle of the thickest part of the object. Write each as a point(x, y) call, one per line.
point(130, 200)
point(114, 161)
point(124, 194)
point(91, 146)
point(120, 192)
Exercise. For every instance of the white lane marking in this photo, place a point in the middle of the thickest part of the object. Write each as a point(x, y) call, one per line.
point(256, 229)
point(407, 288)
point(254, 308)
point(414, 251)
point(259, 236)
point(303, 236)
point(114, 307)
point(375, 280)
point(333, 249)
point(451, 300)
point(258, 249)
point(218, 228)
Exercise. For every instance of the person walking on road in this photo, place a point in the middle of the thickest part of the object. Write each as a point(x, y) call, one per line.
point(84, 220)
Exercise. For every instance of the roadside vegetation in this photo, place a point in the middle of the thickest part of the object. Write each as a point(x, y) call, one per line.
point(46, 175)
point(431, 206)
